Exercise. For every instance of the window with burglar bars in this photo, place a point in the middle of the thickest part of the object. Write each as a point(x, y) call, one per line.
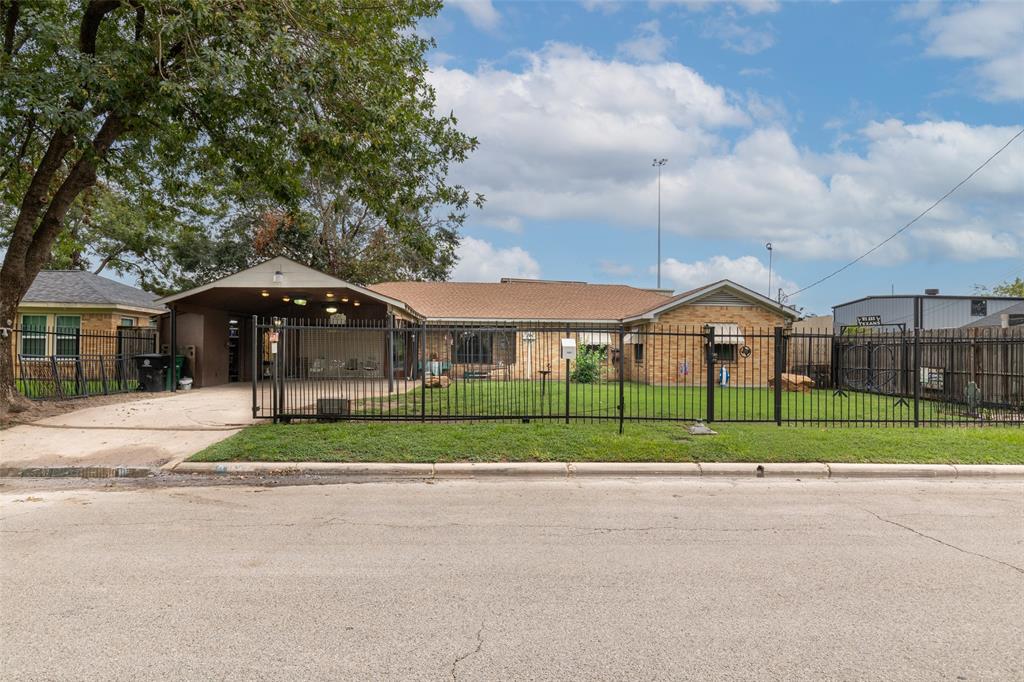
point(33, 335)
point(68, 335)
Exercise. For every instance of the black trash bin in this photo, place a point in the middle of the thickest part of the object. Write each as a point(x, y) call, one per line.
point(152, 371)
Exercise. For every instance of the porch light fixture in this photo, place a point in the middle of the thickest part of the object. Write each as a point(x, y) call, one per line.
point(286, 298)
point(355, 303)
point(330, 294)
point(331, 308)
point(344, 299)
point(278, 277)
point(265, 293)
point(300, 301)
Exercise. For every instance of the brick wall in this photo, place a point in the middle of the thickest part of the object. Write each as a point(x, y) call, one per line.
point(674, 349)
point(682, 359)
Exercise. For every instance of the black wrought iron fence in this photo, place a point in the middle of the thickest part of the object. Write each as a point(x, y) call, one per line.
point(58, 363)
point(311, 369)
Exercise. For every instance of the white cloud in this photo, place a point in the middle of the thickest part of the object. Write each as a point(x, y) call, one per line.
point(991, 34)
point(647, 44)
point(480, 261)
point(745, 270)
point(603, 6)
point(752, 72)
point(570, 138)
point(738, 36)
point(481, 13)
point(750, 6)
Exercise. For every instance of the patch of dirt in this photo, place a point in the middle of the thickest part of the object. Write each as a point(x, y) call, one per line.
point(41, 409)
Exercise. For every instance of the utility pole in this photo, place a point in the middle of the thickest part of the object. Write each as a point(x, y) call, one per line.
point(769, 247)
point(658, 163)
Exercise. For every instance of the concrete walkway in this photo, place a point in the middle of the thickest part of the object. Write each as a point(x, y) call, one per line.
point(161, 431)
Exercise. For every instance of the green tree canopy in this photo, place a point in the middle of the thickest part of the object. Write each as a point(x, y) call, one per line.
point(1011, 287)
point(183, 108)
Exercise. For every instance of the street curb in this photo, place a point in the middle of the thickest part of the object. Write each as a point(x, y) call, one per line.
point(349, 469)
point(616, 469)
point(76, 472)
point(534, 470)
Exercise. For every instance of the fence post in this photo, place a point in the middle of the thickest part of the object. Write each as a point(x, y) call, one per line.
point(173, 343)
point(622, 378)
point(779, 362)
point(257, 357)
point(423, 371)
point(568, 333)
point(917, 376)
point(279, 368)
point(709, 361)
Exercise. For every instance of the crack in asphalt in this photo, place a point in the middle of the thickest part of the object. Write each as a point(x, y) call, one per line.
point(943, 542)
point(479, 645)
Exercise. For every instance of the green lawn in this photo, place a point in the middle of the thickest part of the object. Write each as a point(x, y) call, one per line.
point(502, 398)
point(590, 442)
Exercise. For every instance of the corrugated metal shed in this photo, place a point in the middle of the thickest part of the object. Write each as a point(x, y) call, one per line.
point(938, 312)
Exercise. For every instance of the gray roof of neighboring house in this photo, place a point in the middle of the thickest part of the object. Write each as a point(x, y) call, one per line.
point(83, 287)
point(996, 319)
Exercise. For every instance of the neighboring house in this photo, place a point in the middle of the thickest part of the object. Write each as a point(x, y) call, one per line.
point(517, 323)
point(70, 303)
point(931, 310)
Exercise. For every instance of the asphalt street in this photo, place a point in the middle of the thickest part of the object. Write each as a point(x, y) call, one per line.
point(483, 580)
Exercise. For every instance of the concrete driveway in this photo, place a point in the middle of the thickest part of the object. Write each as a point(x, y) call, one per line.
point(161, 431)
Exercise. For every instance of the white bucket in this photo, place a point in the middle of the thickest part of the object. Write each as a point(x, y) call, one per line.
point(185, 383)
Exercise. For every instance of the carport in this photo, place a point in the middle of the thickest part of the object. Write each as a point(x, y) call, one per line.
point(214, 325)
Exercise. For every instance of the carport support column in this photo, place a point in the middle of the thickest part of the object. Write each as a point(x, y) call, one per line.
point(174, 347)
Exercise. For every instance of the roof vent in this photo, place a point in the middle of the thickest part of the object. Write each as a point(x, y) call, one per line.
point(931, 292)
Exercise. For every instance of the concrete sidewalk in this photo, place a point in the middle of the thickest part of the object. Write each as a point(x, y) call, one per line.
point(161, 431)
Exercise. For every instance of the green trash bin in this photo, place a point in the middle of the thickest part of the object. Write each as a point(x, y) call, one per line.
point(179, 362)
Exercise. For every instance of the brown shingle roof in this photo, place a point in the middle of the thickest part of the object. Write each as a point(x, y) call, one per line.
point(522, 300)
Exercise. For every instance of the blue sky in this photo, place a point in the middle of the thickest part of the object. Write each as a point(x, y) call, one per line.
point(821, 127)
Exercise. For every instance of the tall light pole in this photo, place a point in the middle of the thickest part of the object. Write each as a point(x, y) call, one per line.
point(769, 247)
point(658, 163)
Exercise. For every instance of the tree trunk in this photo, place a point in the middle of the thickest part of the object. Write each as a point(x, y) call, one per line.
point(10, 399)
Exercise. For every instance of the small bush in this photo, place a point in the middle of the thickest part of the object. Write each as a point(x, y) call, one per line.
point(587, 368)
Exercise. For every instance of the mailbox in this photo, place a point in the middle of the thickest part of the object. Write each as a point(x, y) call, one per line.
point(568, 349)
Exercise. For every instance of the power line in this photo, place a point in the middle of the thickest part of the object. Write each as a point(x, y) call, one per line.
point(919, 216)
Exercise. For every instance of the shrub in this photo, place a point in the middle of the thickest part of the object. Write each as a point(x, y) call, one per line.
point(587, 368)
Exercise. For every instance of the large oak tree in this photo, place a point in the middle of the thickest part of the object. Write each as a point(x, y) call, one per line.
point(179, 107)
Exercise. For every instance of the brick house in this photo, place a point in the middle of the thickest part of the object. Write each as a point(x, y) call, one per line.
point(70, 303)
point(510, 329)
point(76, 333)
point(628, 322)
